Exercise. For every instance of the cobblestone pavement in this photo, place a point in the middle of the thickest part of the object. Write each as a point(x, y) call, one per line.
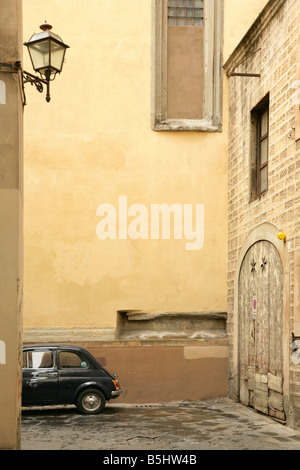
point(216, 424)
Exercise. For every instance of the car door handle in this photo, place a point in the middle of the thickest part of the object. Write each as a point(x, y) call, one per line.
point(52, 374)
point(33, 382)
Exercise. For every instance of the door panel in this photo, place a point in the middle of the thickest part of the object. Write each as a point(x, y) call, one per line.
point(40, 378)
point(261, 330)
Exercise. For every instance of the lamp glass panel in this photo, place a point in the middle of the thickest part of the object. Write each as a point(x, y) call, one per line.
point(39, 53)
point(57, 55)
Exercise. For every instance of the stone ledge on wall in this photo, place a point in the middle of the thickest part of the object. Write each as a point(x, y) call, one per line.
point(134, 324)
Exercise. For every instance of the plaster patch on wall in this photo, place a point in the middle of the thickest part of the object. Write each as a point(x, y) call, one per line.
point(204, 352)
point(2, 92)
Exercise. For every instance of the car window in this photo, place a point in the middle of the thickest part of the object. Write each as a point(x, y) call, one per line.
point(37, 360)
point(68, 360)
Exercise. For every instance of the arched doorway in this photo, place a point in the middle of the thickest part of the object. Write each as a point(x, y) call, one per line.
point(260, 320)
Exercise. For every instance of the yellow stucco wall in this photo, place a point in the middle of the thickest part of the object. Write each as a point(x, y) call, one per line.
point(94, 143)
point(238, 18)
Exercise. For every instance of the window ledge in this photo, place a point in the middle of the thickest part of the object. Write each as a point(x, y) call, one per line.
point(201, 125)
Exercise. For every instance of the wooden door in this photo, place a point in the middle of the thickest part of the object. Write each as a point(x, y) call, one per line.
point(261, 330)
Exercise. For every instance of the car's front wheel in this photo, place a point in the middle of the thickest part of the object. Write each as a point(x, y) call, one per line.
point(91, 401)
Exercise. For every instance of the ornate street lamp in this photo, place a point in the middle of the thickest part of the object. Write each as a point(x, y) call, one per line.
point(47, 53)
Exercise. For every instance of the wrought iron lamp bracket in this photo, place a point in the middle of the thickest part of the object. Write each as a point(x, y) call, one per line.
point(37, 82)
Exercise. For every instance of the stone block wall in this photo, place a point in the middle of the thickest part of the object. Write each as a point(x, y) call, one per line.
point(271, 47)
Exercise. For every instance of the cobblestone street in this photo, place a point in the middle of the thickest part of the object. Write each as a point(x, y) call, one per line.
point(215, 424)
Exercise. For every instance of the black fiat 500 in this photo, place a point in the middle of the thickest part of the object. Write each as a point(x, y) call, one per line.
point(63, 375)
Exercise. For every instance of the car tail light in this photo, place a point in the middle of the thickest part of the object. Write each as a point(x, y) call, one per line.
point(116, 384)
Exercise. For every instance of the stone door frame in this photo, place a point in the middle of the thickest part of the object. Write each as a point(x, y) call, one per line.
point(264, 232)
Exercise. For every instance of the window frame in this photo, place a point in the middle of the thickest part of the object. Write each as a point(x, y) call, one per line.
point(79, 355)
point(213, 72)
point(260, 139)
point(256, 166)
point(38, 351)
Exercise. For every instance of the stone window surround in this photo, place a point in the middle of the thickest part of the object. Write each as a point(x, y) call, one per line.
point(212, 96)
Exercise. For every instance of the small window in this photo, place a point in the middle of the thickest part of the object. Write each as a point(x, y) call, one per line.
point(185, 12)
point(37, 360)
point(259, 148)
point(263, 151)
point(71, 360)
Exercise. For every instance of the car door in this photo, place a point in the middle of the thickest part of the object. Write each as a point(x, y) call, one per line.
point(74, 370)
point(40, 377)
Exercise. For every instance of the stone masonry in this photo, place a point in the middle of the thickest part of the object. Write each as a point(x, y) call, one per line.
point(271, 46)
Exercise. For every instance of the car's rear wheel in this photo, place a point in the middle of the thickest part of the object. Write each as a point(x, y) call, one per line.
point(91, 401)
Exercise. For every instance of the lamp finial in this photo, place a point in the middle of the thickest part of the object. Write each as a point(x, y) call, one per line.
point(45, 26)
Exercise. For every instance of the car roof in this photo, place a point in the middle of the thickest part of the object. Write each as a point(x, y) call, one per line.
point(53, 346)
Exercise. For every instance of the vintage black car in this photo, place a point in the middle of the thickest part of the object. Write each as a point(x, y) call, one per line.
point(62, 375)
